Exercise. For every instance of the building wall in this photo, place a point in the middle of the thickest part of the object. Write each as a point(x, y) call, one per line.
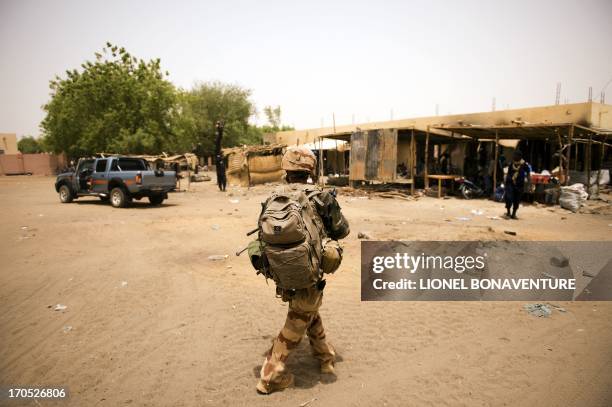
point(35, 164)
point(8, 143)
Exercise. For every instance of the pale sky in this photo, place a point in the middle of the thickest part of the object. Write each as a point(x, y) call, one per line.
point(315, 58)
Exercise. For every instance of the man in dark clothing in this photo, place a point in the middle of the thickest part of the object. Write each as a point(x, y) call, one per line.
point(219, 162)
point(221, 178)
point(518, 173)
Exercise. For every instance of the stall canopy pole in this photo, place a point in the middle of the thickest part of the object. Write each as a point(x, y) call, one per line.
point(601, 159)
point(412, 162)
point(321, 160)
point(496, 163)
point(570, 137)
point(588, 163)
point(426, 172)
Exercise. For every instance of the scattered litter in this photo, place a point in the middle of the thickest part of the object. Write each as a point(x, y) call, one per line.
point(463, 218)
point(60, 307)
point(560, 261)
point(233, 307)
point(509, 232)
point(124, 284)
point(587, 274)
point(363, 235)
point(234, 201)
point(218, 257)
point(304, 404)
point(557, 307)
point(477, 212)
point(229, 267)
point(215, 227)
point(24, 228)
point(494, 217)
point(67, 328)
point(538, 310)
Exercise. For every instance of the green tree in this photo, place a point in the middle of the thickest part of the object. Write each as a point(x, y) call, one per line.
point(30, 145)
point(117, 103)
point(200, 108)
point(273, 115)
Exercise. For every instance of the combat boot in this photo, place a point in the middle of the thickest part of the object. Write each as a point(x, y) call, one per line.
point(268, 388)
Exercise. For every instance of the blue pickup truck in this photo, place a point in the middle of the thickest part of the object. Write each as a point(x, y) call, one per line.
point(118, 179)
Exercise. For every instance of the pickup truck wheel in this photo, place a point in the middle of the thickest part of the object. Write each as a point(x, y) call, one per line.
point(156, 199)
point(119, 198)
point(65, 194)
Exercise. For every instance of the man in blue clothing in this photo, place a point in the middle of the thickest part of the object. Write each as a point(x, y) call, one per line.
point(518, 173)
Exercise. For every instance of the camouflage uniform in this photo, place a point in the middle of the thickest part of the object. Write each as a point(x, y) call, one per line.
point(303, 317)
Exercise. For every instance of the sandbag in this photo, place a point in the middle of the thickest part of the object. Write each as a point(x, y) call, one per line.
point(263, 177)
point(264, 163)
point(236, 163)
point(572, 197)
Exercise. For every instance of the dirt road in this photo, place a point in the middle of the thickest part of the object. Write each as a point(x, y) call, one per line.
point(150, 321)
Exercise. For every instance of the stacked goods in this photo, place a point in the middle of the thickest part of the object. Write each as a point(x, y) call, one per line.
point(572, 197)
point(265, 168)
point(251, 165)
point(237, 171)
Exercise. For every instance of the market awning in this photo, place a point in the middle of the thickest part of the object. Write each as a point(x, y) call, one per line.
point(327, 144)
point(524, 131)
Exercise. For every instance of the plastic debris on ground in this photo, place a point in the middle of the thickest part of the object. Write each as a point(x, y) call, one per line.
point(124, 284)
point(59, 307)
point(557, 307)
point(234, 201)
point(67, 329)
point(463, 218)
point(538, 310)
point(218, 257)
point(494, 217)
point(509, 232)
point(477, 212)
point(215, 227)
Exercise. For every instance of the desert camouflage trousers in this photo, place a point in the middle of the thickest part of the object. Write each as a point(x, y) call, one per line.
point(303, 318)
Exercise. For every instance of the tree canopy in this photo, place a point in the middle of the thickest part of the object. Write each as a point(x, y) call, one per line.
point(200, 108)
point(118, 103)
point(115, 103)
point(30, 145)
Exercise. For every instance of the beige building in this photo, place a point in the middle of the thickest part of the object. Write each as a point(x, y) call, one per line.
point(8, 143)
point(553, 138)
point(590, 114)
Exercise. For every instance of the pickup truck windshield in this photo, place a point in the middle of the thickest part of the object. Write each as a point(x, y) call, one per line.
point(129, 164)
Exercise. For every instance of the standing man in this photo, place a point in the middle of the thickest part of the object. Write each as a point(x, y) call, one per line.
point(219, 161)
point(322, 220)
point(518, 172)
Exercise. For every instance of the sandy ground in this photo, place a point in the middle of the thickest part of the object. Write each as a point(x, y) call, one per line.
point(151, 322)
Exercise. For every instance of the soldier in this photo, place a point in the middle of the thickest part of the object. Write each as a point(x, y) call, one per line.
point(303, 316)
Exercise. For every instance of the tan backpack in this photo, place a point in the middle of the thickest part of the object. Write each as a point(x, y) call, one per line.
point(292, 233)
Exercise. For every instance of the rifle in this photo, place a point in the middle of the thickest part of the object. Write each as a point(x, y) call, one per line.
point(238, 253)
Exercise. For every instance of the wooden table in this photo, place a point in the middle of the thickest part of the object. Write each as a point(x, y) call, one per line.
point(441, 177)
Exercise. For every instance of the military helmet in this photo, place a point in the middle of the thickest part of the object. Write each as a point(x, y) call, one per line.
point(299, 159)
